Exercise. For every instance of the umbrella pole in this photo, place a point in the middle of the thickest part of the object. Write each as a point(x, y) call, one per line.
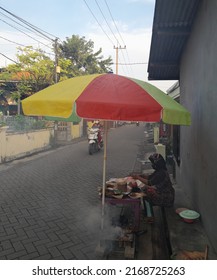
point(104, 173)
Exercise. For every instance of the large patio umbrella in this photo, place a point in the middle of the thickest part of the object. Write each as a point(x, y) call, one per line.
point(106, 97)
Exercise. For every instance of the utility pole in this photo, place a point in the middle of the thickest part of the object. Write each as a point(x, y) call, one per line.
point(57, 69)
point(117, 49)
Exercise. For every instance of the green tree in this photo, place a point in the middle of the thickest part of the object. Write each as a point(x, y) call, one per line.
point(3, 103)
point(82, 56)
point(33, 66)
point(65, 69)
point(24, 89)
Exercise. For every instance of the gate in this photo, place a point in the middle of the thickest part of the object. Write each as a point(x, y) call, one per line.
point(63, 133)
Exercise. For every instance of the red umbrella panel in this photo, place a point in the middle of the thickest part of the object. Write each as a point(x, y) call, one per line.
point(113, 97)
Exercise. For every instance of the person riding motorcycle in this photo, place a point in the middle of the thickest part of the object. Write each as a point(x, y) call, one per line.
point(97, 124)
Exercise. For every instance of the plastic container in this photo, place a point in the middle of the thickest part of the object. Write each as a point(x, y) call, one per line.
point(189, 216)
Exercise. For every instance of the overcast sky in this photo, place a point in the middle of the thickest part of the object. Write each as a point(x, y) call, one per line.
point(108, 23)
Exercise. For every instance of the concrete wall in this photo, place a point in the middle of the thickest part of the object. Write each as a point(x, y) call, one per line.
point(16, 145)
point(76, 131)
point(198, 93)
point(19, 144)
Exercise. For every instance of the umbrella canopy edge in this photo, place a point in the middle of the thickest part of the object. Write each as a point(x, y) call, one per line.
point(173, 112)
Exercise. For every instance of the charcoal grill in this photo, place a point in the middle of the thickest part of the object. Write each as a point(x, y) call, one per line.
point(122, 245)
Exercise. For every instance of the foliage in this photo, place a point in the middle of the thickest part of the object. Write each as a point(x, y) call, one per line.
point(22, 123)
point(24, 89)
point(83, 59)
point(2, 122)
point(33, 66)
point(5, 75)
point(65, 66)
point(3, 100)
point(39, 124)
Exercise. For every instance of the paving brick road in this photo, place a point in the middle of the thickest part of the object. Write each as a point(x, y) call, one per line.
point(49, 203)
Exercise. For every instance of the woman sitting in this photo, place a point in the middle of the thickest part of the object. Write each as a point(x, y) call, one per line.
point(158, 186)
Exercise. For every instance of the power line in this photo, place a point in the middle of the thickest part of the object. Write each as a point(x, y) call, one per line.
point(99, 23)
point(12, 42)
point(114, 45)
point(30, 25)
point(43, 37)
point(23, 45)
point(119, 36)
point(117, 44)
point(107, 22)
point(25, 33)
point(114, 22)
point(8, 58)
point(36, 29)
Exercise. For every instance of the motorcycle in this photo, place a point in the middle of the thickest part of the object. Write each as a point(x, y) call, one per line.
point(95, 142)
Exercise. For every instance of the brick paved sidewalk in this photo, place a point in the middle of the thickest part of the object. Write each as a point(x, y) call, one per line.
point(49, 204)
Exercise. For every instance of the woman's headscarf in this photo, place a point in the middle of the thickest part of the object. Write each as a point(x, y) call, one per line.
point(158, 162)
